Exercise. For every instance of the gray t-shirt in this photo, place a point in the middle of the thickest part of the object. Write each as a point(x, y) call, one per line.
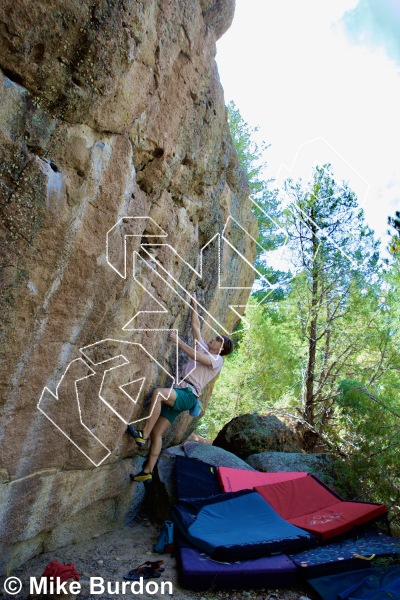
point(198, 374)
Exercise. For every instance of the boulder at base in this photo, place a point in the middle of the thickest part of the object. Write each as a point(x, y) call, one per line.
point(252, 433)
point(320, 465)
point(161, 493)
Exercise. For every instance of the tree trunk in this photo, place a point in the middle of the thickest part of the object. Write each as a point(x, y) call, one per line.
point(309, 408)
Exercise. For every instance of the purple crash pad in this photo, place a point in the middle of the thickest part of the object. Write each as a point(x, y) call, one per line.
point(200, 572)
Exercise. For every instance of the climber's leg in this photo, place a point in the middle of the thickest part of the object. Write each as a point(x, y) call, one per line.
point(156, 443)
point(155, 449)
point(160, 396)
point(167, 411)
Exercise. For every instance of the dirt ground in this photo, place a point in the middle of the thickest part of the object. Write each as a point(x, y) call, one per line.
point(114, 554)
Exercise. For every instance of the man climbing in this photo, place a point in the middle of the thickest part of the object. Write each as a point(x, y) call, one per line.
point(167, 403)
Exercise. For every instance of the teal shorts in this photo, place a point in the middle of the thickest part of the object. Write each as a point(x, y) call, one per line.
point(185, 400)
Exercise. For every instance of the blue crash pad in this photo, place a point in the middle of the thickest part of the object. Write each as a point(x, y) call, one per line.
point(237, 526)
point(378, 584)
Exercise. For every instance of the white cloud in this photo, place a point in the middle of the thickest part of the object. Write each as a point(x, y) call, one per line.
point(292, 70)
point(375, 23)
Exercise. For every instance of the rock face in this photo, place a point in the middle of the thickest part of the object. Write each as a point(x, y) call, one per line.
point(113, 135)
point(252, 433)
point(321, 465)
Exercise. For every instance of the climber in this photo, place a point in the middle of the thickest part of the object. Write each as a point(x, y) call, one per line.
point(167, 403)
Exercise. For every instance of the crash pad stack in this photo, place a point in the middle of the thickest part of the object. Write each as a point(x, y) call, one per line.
point(229, 540)
point(244, 529)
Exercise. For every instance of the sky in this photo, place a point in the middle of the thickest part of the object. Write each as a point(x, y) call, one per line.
point(321, 79)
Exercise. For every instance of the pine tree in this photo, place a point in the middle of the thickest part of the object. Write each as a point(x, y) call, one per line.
point(335, 258)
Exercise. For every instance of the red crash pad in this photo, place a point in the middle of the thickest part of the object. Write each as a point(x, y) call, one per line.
point(234, 480)
point(307, 503)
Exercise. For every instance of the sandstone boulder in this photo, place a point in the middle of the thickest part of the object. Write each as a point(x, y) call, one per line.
point(252, 433)
point(113, 137)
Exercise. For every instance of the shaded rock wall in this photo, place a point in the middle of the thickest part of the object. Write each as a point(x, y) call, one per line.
point(109, 109)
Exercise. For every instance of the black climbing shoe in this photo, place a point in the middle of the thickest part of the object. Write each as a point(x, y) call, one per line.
point(137, 436)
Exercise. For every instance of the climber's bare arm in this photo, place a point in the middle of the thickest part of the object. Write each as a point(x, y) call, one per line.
point(195, 321)
point(202, 358)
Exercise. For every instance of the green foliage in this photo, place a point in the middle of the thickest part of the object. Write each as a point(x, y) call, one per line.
point(262, 374)
point(371, 438)
point(394, 246)
point(250, 153)
point(267, 205)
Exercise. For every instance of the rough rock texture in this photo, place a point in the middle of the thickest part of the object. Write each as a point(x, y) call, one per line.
point(63, 507)
point(252, 433)
point(161, 494)
point(320, 465)
point(112, 120)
